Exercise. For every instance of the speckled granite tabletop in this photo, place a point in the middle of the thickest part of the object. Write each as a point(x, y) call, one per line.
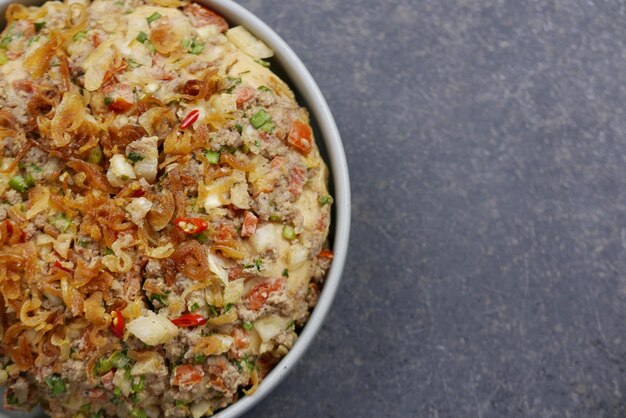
point(487, 146)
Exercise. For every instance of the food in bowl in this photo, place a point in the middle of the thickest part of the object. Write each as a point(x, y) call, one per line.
point(164, 210)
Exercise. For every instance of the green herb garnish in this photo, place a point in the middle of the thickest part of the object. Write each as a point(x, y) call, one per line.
point(134, 157)
point(56, 384)
point(142, 37)
point(325, 200)
point(199, 359)
point(18, 183)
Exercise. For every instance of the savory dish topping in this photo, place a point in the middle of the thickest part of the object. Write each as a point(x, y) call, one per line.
point(163, 210)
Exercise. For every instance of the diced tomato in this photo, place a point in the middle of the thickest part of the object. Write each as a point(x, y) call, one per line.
point(95, 394)
point(120, 105)
point(301, 137)
point(224, 233)
point(297, 175)
point(243, 95)
point(203, 16)
point(96, 39)
point(107, 379)
point(326, 253)
point(250, 222)
point(186, 374)
point(259, 294)
point(241, 338)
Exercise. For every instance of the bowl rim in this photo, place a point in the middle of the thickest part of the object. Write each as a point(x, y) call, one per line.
point(299, 78)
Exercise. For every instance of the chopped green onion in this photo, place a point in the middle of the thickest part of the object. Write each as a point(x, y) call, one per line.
point(258, 263)
point(80, 35)
point(268, 127)
point(62, 222)
point(12, 399)
point(138, 386)
point(34, 39)
point(150, 47)
point(264, 88)
point(107, 251)
point(180, 403)
point(263, 63)
point(102, 366)
point(30, 182)
point(291, 324)
point(134, 157)
point(142, 37)
point(132, 63)
point(228, 307)
point(154, 16)
point(83, 242)
point(285, 273)
point(95, 154)
point(138, 413)
point(39, 26)
point(3, 58)
point(135, 397)
point(213, 310)
point(18, 183)
point(275, 217)
point(119, 360)
point(85, 408)
point(193, 47)
point(260, 118)
point(325, 200)
point(159, 297)
point(288, 232)
point(117, 391)
point(56, 384)
point(212, 156)
point(239, 127)
point(108, 100)
point(247, 326)
point(35, 168)
point(199, 359)
point(194, 307)
point(202, 238)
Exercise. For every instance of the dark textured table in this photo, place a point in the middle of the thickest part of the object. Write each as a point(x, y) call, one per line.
point(487, 146)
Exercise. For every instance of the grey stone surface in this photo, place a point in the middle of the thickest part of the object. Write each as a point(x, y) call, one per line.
point(487, 146)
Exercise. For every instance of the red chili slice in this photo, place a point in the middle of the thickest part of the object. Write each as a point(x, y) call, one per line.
point(189, 320)
point(191, 226)
point(190, 119)
point(117, 324)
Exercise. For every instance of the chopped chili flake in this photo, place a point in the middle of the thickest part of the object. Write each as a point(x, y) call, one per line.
point(191, 226)
point(190, 119)
point(117, 324)
point(189, 320)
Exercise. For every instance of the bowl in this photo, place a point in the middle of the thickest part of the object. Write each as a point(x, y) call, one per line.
point(288, 66)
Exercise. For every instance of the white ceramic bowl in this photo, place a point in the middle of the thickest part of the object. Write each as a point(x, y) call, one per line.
point(329, 141)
